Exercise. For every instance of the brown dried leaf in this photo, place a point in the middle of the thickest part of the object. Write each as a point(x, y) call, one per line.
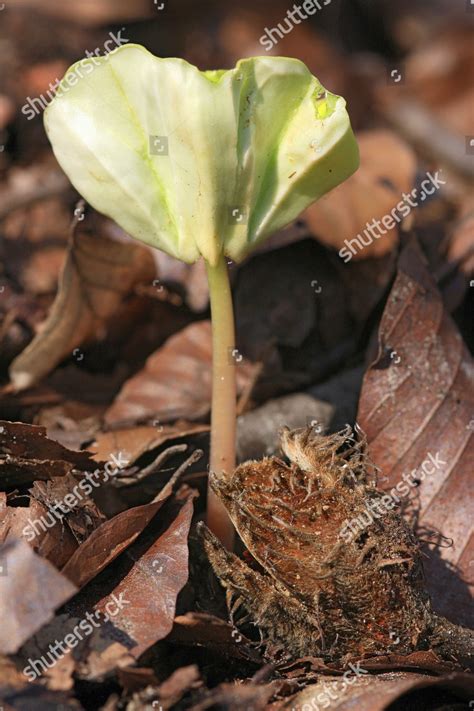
point(97, 274)
point(111, 538)
point(387, 169)
point(238, 696)
point(205, 630)
point(56, 543)
point(138, 440)
point(26, 454)
point(176, 380)
point(417, 404)
point(82, 515)
point(30, 590)
point(376, 693)
point(152, 586)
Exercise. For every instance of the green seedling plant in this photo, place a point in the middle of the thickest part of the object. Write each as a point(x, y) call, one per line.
point(201, 164)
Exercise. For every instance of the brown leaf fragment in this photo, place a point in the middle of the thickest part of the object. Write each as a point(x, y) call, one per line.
point(97, 274)
point(176, 380)
point(416, 661)
point(116, 534)
point(149, 591)
point(417, 409)
point(377, 693)
point(45, 533)
point(169, 693)
point(138, 440)
point(135, 678)
point(204, 630)
point(26, 454)
point(67, 502)
point(238, 697)
point(30, 590)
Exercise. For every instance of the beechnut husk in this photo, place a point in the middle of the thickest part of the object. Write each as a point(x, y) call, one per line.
point(310, 590)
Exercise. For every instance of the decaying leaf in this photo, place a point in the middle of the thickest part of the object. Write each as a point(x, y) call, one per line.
point(417, 409)
point(97, 274)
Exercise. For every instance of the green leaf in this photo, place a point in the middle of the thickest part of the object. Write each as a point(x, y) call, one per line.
point(199, 163)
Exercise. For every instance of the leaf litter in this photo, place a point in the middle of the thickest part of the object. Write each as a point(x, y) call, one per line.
point(400, 311)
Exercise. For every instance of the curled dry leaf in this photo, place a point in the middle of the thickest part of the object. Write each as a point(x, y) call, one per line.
point(97, 274)
point(417, 409)
point(26, 455)
point(30, 590)
point(387, 170)
point(176, 380)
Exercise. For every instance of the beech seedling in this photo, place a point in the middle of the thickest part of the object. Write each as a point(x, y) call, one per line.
point(201, 164)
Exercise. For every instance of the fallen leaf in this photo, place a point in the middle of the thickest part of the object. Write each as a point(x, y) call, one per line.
point(112, 537)
point(97, 274)
point(387, 170)
point(82, 516)
point(30, 590)
point(176, 380)
point(230, 697)
point(54, 542)
point(200, 629)
point(152, 585)
point(378, 693)
point(138, 440)
point(417, 405)
point(27, 454)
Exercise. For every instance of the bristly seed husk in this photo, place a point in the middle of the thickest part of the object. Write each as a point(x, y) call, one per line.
point(320, 594)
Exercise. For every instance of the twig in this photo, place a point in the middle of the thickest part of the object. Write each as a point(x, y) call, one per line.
point(127, 477)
